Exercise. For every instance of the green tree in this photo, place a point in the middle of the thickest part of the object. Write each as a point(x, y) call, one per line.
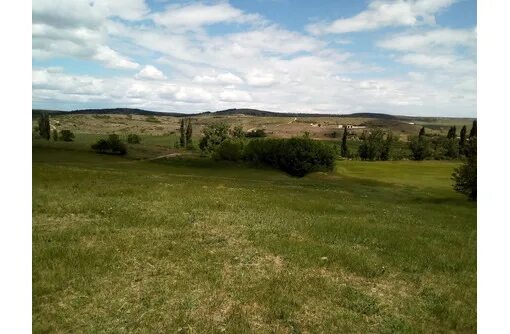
point(462, 141)
point(44, 125)
point(66, 135)
point(189, 133)
point(374, 146)
point(112, 145)
point(387, 146)
point(472, 133)
point(237, 132)
point(420, 147)
point(452, 148)
point(296, 156)
point(344, 150)
point(182, 129)
point(214, 135)
point(133, 138)
point(452, 132)
point(422, 131)
point(116, 145)
point(464, 177)
point(363, 147)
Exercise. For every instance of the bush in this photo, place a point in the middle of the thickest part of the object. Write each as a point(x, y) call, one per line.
point(133, 139)
point(259, 133)
point(237, 132)
point(375, 146)
point(231, 150)
point(214, 135)
point(101, 146)
point(296, 156)
point(55, 135)
point(420, 147)
point(465, 176)
point(66, 135)
point(113, 145)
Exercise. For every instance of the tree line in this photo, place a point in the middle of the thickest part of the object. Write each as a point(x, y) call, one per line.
point(382, 145)
point(44, 129)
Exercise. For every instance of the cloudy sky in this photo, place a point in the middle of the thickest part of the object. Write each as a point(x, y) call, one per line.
point(398, 57)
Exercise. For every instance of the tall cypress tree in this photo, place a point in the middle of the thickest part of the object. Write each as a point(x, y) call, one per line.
point(183, 134)
point(44, 125)
point(462, 142)
point(422, 132)
point(452, 132)
point(472, 133)
point(189, 132)
point(344, 150)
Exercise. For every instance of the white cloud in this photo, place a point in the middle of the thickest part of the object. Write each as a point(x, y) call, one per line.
point(439, 38)
point(193, 16)
point(448, 63)
point(430, 61)
point(150, 72)
point(430, 93)
point(113, 59)
point(222, 78)
point(235, 96)
point(192, 95)
point(262, 66)
point(446, 50)
point(383, 13)
point(273, 39)
point(259, 78)
point(126, 9)
point(76, 28)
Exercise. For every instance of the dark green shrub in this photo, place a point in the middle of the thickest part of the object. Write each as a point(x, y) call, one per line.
point(420, 147)
point(237, 132)
point(133, 139)
point(113, 145)
point(259, 133)
point(443, 147)
point(296, 156)
point(376, 145)
point(231, 150)
point(55, 135)
point(464, 177)
point(116, 145)
point(66, 135)
point(214, 135)
point(101, 146)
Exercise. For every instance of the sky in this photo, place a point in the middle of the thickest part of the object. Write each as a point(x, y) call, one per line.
point(415, 57)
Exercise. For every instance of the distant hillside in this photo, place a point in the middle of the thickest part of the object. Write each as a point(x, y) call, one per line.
point(230, 112)
point(226, 112)
point(111, 111)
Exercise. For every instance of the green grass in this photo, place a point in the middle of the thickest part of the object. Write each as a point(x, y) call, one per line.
point(192, 245)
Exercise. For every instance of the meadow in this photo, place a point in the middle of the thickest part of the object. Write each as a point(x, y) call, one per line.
point(186, 244)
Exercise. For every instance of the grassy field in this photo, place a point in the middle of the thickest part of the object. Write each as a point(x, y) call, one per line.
point(195, 246)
